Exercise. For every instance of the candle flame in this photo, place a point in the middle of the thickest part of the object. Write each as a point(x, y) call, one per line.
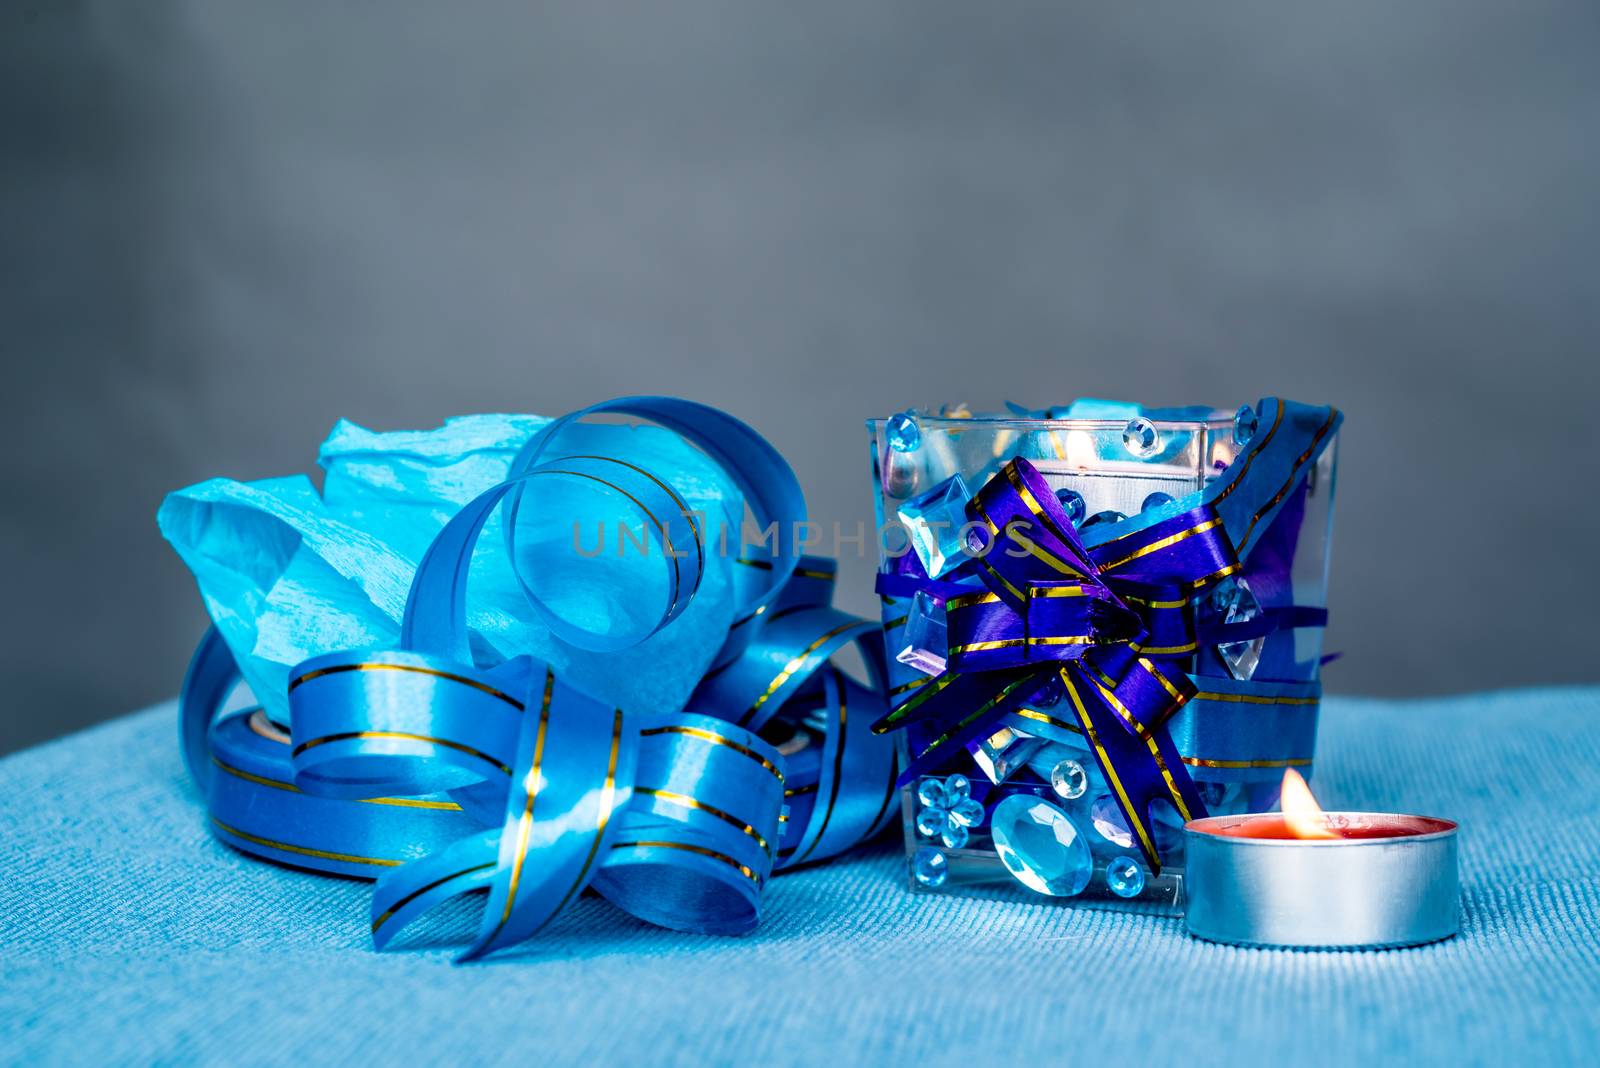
point(1081, 452)
point(1301, 814)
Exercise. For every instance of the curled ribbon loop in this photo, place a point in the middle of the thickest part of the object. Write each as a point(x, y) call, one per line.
point(760, 472)
point(439, 769)
point(1111, 626)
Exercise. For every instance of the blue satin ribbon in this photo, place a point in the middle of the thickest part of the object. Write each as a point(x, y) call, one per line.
point(1246, 731)
point(439, 773)
point(1104, 627)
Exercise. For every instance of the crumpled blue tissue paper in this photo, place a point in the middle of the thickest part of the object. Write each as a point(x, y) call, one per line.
point(288, 573)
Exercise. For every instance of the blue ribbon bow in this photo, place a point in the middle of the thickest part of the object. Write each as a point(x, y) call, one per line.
point(439, 771)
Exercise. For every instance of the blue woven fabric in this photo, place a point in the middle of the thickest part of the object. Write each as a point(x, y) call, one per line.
point(129, 935)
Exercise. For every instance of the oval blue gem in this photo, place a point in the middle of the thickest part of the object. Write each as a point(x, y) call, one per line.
point(1041, 846)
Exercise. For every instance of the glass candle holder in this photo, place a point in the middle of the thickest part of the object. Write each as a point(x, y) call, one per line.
point(1026, 811)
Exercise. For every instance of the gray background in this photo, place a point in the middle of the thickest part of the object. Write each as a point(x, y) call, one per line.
point(226, 225)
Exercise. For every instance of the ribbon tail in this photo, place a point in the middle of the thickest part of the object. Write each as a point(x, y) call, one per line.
point(849, 793)
point(212, 675)
point(407, 893)
point(557, 824)
point(963, 709)
point(1142, 768)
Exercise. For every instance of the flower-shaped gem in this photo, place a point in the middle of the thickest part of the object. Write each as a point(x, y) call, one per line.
point(948, 810)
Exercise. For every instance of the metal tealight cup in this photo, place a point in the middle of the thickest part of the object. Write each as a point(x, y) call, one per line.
point(1359, 892)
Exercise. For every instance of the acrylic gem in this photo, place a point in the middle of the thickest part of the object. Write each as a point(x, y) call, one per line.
point(1140, 438)
point(929, 867)
point(1072, 503)
point(1245, 422)
point(903, 432)
point(968, 813)
point(1053, 692)
point(1108, 516)
point(948, 810)
point(1041, 846)
point(1236, 603)
point(1004, 753)
point(1108, 822)
point(899, 475)
point(1069, 780)
point(1124, 877)
point(924, 642)
point(934, 522)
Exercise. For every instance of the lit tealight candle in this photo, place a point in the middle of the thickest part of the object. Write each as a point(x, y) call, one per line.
point(1304, 877)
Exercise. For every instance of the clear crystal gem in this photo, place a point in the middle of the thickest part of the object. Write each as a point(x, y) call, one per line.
point(1072, 503)
point(1003, 753)
point(929, 867)
point(1053, 692)
point(899, 476)
point(934, 522)
point(955, 836)
point(1245, 422)
point(1140, 437)
point(1041, 846)
point(1108, 822)
point(957, 788)
point(925, 638)
point(1069, 780)
point(903, 433)
point(1108, 516)
point(930, 822)
point(1124, 877)
point(1236, 603)
point(1224, 595)
point(1242, 657)
point(1155, 500)
point(931, 793)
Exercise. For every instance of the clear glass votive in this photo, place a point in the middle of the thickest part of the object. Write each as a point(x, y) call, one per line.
point(1064, 838)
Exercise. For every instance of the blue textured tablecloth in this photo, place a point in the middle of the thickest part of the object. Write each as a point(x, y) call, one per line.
point(130, 935)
